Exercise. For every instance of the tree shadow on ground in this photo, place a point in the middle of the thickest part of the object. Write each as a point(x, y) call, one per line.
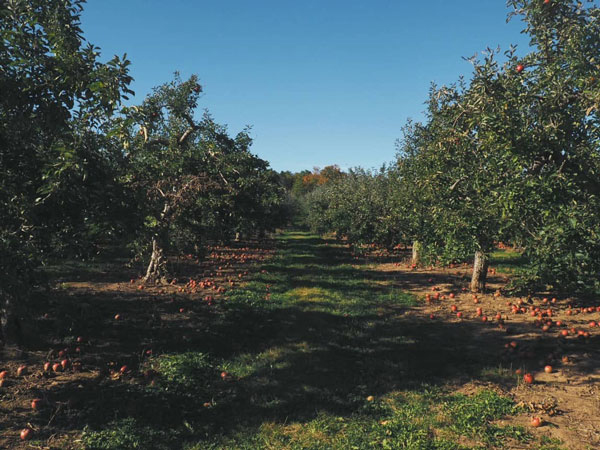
point(303, 359)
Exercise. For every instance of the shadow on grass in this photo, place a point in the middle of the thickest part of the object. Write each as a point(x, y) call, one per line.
point(286, 359)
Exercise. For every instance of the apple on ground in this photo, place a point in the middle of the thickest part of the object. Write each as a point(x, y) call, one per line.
point(26, 433)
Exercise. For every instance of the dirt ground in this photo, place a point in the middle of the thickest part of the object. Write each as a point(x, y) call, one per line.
point(568, 398)
point(105, 324)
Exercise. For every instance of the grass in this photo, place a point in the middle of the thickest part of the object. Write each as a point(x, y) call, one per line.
point(319, 354)
point(508, 261)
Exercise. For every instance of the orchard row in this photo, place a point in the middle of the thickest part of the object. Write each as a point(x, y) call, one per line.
point(82, 171)
point(509, 157)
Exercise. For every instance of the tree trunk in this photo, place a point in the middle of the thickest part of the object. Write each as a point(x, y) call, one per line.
point(480, 269)
point(416, 252)
point(156, 271)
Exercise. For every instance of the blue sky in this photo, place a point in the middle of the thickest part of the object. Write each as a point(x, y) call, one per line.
point(320, 81)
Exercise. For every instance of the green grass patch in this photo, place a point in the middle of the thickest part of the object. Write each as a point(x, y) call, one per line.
point(127, 434)
point(188, 372)
point(424, 419)
point(508, 261)
point(320, 356)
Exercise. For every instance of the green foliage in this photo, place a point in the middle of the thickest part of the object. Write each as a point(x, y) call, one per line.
point(508, 156)
point(56, 98)
point(193, 182)
point(358, 206)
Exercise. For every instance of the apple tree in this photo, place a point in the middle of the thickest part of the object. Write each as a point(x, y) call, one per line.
point(56, 95)
point(557, 199)
point(193, 181)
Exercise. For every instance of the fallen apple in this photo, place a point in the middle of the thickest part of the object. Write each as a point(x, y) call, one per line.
point(26, 433)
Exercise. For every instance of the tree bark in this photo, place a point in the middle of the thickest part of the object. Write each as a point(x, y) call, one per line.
point(480, 269)
point(156, 271)
point(416, 252)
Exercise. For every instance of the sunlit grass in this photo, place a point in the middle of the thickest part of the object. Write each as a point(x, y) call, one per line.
point(323, 363)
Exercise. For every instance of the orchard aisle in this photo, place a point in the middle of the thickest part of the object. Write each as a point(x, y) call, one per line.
point(297, 343)
point(350, 358)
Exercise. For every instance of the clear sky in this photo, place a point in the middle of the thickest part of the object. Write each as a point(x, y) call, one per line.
point(320, 81)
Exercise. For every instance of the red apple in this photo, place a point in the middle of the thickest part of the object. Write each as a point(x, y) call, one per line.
point(64, 363)
point(21, 370)
point(536, 422)
point(3, 374)
point(36, 403)
point(520, 68)
point(56, 367)
point(26, 433)
point(124, 369)
point(528, 378)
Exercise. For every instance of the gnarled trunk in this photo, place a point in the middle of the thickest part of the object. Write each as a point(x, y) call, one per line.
point(156, 272)
point(157, 268)
point(480, 269)
point(416, 252)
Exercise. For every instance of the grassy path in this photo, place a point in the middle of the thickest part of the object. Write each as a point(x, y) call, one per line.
point(316, 353)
